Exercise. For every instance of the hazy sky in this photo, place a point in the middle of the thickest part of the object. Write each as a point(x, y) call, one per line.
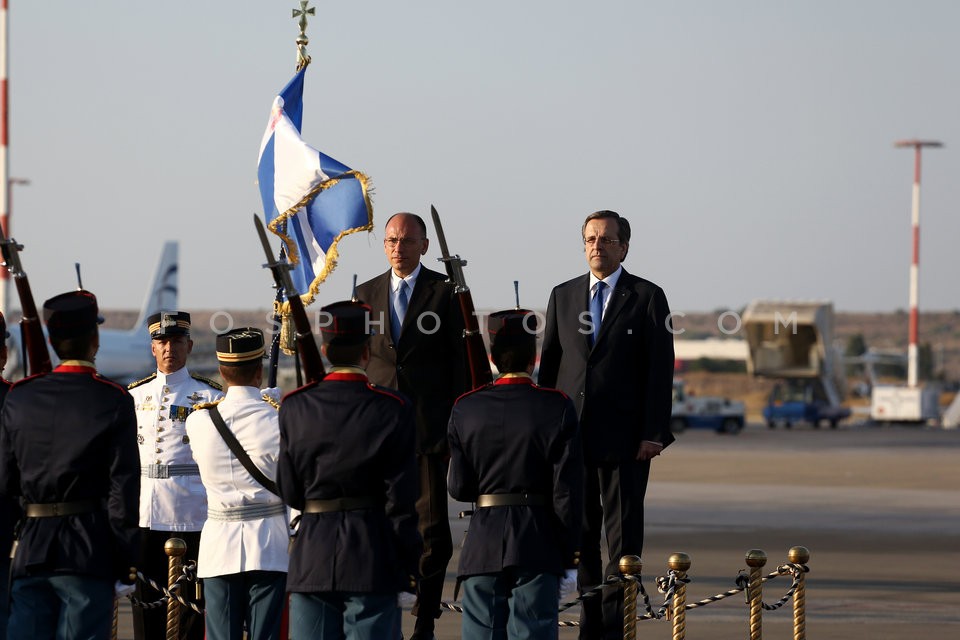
point(749, 142)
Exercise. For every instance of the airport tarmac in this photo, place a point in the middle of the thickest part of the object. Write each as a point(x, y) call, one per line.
point(877, 506)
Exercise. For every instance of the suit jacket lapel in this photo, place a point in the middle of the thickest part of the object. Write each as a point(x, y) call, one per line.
point(380, 292)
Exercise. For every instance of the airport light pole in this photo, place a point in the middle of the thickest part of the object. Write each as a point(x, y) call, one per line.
point(915, 262)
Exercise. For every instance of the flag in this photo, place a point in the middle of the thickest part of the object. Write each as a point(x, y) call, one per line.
point(310, 200)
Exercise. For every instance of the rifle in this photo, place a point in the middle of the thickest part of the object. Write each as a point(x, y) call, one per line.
point(307, 350)
point(38, 357)
point(477, 357)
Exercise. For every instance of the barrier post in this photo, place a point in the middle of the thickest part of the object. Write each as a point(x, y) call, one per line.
point(175, 548)
point(679, 563)
point(755, 560)
point(799, 555)
point(630, 568)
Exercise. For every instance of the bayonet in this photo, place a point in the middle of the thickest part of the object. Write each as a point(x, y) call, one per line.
point(477, 357)
point(306, 344)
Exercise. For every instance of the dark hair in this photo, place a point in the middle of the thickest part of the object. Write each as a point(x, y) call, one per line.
point(345, 355)
point(420, 222)
point(74, 348)
point(623, 225)
point(514, 358)
point(242, 375)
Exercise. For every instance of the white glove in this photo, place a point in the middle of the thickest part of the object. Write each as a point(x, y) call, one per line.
point(405, 600)
point(121, 590)
point(272, 392)
point(568, 584)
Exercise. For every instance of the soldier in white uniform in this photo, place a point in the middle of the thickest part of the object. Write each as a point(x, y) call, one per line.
point(173, 502)
point(243, 547)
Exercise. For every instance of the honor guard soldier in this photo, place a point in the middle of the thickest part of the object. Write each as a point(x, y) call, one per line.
point(347, 463)
point(10, 511)
point(68, 449)
point(173, 503)
point(243, 545)
point(515, 452)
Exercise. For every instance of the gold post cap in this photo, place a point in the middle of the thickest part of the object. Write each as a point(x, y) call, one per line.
point(798, 555)
point(679, 561)
point(175, 547)
point(756, 558)
point(631, 565)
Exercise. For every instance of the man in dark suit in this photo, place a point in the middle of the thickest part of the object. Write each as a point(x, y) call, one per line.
point(607, 343)
point(347, 463)
point(68, 447)
point(515, 452)
point(418, 349)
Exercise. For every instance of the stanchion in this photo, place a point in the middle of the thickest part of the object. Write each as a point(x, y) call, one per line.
point(755, 560)
point(679, 563)
point(800, 556)
point(175, 548)
point(630, 569)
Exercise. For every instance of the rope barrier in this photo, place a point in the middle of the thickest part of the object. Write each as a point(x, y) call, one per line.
point(672, 586)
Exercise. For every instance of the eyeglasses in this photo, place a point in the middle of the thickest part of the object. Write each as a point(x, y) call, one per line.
point(406, 243)
point(605, 241)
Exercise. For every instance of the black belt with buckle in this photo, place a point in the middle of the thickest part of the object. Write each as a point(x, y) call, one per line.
point(510, 500)
point(52, 509)
point(341, 504)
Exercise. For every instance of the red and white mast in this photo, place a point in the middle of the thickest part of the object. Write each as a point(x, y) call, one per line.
point(4, 165)
point(915, 262)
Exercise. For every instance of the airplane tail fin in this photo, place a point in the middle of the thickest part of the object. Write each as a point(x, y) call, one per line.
point(162, 294)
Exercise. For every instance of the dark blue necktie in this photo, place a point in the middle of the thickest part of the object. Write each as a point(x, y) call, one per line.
point(400, 309)
point(596, 309)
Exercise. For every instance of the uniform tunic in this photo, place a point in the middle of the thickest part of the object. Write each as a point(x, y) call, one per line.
point(163, 402)
point(228, 547)
point(514, 437)
point(66, 436)
point(343, 437)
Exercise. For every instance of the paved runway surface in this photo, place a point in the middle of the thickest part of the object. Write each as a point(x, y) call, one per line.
point(878, 508)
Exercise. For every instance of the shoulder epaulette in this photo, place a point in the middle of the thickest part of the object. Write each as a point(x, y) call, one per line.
point(212, 383)
point(551, 389)
point(141, 381)
point(472, 391)
point(206, 405)
point(270, 401)
point(23, 381)
point(309, 385)
point(390, 393)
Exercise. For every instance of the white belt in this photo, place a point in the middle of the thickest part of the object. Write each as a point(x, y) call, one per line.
point(246, 512)
point(169, 470)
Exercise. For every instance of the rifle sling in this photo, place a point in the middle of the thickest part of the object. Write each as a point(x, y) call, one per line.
point(241, 455)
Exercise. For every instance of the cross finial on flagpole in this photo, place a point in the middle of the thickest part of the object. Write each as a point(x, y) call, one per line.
point(302, 58)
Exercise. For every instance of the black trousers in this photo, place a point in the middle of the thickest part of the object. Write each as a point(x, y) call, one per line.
point(613, 502)
point(151, 624)
point(434, 526)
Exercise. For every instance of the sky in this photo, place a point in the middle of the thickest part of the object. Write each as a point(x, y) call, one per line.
point(749, 142)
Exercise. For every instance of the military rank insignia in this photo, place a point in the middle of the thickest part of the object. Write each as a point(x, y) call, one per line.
point(195, 397)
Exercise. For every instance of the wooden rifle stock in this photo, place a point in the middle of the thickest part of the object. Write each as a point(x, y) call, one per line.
point(307, 350)
point(38, 357)
point(309, 354)
point(477, 358)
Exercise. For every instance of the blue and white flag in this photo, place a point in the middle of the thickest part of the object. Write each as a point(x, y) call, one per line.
point(309, 199)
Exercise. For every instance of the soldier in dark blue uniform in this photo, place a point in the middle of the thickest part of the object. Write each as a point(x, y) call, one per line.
point(347, 462)
point(515, 452)
point(10, 511)
point(68, 447)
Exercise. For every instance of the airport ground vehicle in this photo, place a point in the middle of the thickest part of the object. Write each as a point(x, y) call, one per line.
point(798, 400)
point(792, 342)
point(705, 412)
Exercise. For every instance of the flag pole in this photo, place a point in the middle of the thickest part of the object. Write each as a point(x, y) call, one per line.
point(302, 41)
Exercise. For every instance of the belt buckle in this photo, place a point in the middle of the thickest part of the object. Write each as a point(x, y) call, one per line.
point(159, 471)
